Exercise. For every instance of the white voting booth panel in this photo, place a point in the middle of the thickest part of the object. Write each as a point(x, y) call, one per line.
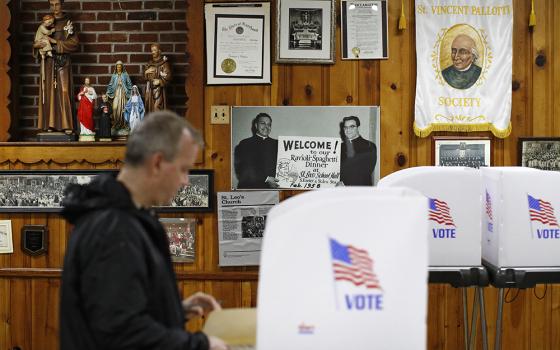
point(454, 232)
point(343, 269)
point(520, 217)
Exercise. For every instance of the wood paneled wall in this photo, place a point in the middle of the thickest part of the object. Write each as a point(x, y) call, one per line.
point(29, 286)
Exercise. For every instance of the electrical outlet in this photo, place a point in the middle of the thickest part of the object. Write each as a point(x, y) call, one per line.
point(219, 115)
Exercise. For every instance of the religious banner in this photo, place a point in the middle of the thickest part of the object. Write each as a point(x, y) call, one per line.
point(464, 55)
point(308, 162)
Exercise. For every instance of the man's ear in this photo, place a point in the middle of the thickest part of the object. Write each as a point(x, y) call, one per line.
point(155, 162)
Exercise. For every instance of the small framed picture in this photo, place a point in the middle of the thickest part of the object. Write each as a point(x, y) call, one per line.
point(539, 152)
point(6, 242)
point(473, 152)
point(197, 196)
point(305, 31)
point(181, 233)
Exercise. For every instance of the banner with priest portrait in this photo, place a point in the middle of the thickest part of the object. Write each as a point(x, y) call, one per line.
point(464, 65)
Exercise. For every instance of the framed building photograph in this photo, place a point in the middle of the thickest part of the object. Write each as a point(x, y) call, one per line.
point(473, 152)
point(305, 31)
point(43, 190)
point(181, 233)
point(363, 29)
point(6, 241)
point(539, 152)
point(237, 43)
point(306, 147)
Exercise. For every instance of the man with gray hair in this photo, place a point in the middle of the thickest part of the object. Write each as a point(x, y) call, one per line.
point(118, 285)
point(464, 72)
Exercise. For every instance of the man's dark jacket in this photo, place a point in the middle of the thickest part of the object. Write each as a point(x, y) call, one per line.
point(255, 160)
point(118, 285)
point(358, 170)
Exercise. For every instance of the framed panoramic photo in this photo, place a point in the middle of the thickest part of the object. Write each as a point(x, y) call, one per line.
point(363, 29)
point(305, 31)
point(39, 190)
point(181, 233)
point(473, 152)
point(539, 152)
point(43, 190)
point(237, 43)
point(6, 241)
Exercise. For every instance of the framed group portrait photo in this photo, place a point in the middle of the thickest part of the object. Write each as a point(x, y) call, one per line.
point(539, 152)
point(181, 233)
point(472, 152)
point(305, 31)
point(32, 191)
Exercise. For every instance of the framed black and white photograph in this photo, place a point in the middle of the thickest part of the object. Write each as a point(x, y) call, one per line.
point(43, 190)
point(472, 152)
point(237, 43)
point(252, 226)
point(276, 147)
point(39, 190)
point(363, 29)
point(6, 241)
point(305, 31)
point(181, 233)
point(197, 196)
point(539, 152)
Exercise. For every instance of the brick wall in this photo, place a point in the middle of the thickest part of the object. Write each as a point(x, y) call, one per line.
point(108, 31)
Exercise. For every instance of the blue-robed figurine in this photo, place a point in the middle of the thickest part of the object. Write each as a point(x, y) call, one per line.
point(118, 90)
point(134, 109)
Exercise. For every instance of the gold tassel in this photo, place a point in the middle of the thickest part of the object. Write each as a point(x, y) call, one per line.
point(532, 17)
point(402, 19)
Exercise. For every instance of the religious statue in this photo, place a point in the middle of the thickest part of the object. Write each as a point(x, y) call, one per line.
point(134, 109)
point(118, 91)
point(86, 98)
point(158, 75)
point(55, 106)
point(43, 34)
point(104, 130)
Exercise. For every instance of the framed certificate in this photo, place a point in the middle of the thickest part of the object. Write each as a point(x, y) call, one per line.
point(305, 31)
point(237, 43)
point(363, 29)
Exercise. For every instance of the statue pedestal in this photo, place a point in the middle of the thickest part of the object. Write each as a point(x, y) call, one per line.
point(55, 136)
point(87, 138)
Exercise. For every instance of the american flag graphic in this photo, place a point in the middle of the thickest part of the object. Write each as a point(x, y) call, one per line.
point(489, 206)
point(541, 211)
point(440, 213)
point(353, 265)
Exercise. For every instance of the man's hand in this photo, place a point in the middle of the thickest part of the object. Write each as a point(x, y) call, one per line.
point(200, 304)
point(217, 343)
point(272, 182)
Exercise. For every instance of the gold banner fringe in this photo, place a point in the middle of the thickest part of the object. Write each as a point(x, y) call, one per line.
point(462, 128)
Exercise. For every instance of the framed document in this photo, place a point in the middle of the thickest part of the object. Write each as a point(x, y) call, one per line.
point(237, 43)
point(540, 152)
point(305, 31)
point(473, 152)
point(363, 29)
point(6, 243)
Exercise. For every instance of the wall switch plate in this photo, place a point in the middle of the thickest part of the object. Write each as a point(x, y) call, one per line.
point(219, 114)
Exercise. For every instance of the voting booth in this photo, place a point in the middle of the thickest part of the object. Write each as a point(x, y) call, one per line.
point(453, 195)
point(520, 217)
point(344, 268)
